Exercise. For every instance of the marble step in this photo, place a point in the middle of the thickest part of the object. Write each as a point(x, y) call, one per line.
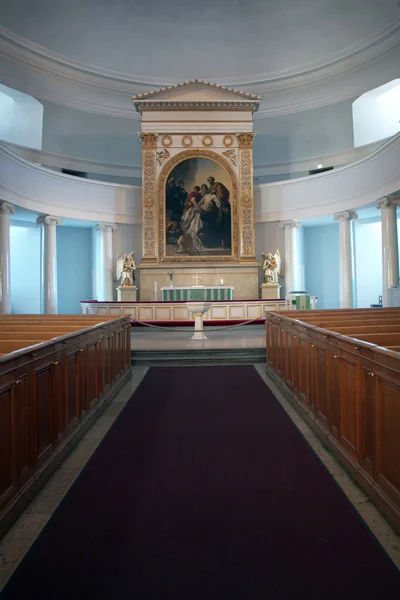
point(201, 356)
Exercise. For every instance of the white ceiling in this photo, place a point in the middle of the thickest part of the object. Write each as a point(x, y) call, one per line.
point(225, 41)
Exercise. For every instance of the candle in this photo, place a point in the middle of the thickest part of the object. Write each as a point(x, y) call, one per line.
point(155, 291)
point(222, 282)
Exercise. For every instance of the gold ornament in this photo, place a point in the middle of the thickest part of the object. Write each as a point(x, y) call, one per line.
point(245, 139)
point(207, 141)
point(166, 141)
point(149, 140)
point(227, 141)
point(187, 141)
point(230, 155)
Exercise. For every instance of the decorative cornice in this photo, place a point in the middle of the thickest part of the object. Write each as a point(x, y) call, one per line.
point(145, 95)
point(106, 91)
point(48, 220)
point(291, 224)
point(6, 208)
point(345, 215)
point(106, 227)
point(166, 105)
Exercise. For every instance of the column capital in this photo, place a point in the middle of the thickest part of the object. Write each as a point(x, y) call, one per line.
point(106, 227)
point(245, 140)
point(345, 215)
point(48, 220)
point(6, 208)
point(149, 140)
point(292, 223)
point(387, 201)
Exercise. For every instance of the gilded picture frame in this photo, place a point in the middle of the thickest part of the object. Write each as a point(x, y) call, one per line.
point(165, 256)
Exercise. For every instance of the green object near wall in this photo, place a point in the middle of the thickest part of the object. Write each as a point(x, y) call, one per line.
point(193, 294)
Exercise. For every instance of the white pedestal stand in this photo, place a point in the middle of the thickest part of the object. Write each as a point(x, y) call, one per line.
point(198, 309)
point(127, 293)
point(270, 291)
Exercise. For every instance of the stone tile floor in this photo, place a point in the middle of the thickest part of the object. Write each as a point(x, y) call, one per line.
point(178, 338)
point(27, 528)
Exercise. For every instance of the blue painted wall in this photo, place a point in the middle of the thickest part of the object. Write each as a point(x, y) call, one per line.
point(25, 251)
point(74, 272)
point(368, 262)
point(321, 252)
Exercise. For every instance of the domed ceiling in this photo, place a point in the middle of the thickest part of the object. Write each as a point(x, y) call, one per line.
point(226, 41)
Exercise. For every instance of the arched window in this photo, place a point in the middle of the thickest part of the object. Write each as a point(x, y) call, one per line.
point(376, 114)
point(21, 118)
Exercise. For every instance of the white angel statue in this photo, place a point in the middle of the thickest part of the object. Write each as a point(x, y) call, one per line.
point(126, 269)
point(271, 267)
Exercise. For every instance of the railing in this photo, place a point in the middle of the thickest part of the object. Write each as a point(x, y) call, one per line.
point(49, 394)
point(39, 189)
point(349, 392)
point(280, 170)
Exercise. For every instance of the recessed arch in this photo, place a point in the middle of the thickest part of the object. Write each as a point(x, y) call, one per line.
point(21, 118)
point(376, 114)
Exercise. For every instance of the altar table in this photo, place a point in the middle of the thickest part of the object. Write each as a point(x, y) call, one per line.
point(195, 293)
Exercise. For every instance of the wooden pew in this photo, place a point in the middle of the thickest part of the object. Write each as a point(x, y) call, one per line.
point(50, 394)
point(341, 371)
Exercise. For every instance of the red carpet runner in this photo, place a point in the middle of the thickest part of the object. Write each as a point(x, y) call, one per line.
point(203, 490)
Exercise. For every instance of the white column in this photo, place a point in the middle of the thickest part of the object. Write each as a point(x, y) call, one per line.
point(293, 273)
point(345, 257)
point(106, 262)
point(390, 250)
point(49, 223)
point(5, 281)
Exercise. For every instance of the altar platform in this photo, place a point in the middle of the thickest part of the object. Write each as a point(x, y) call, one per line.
point(175, 312)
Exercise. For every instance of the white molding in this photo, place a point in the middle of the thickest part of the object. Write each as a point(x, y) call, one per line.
point(347, 188)
point(47, 159)
point(385, 40)
point(57, 79)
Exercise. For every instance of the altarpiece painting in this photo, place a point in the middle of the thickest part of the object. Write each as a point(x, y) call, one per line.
point(198, 215)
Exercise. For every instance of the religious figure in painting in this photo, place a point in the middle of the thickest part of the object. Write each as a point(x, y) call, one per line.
point(271, 267)
point(198, 222)
point(126, 269)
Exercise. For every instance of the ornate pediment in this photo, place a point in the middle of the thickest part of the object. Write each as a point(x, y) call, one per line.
point(196, 95)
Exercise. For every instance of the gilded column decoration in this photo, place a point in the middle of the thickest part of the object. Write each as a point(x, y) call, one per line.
point(245, 140)
point(148, 205)
point(149, 140)
point(246, 200)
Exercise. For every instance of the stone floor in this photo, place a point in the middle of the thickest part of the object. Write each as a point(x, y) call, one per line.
point(27, 528)
point(179, 338)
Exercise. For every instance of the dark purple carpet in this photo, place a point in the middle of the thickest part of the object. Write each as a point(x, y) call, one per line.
point(203, 490)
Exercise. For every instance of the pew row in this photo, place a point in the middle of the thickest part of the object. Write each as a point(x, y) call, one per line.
point(347, 389)
point(50, 394)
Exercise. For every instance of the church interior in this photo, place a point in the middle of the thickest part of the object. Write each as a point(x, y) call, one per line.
point(200, 300)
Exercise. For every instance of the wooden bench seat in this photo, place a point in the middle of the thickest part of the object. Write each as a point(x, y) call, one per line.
point(357, 329)
point(7, 346)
